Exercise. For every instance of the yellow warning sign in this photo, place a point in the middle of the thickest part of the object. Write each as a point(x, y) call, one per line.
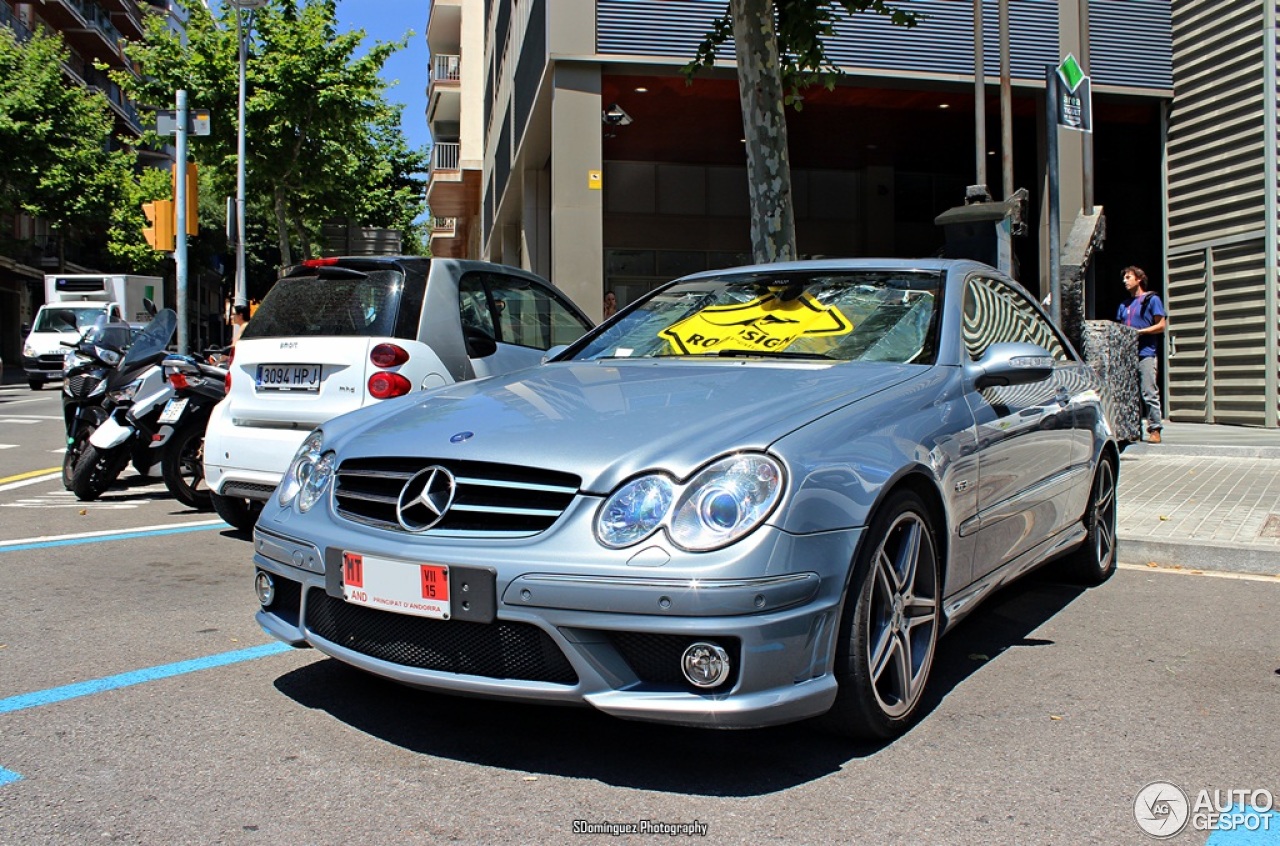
point(765, 324)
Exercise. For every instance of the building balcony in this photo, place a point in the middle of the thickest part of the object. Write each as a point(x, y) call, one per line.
point(87, 27)
point(444, 89)
point(452, 190)
point(449, 238)
point(444, 26)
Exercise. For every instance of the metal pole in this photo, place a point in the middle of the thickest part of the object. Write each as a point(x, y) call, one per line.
point(1006, 104)
point(180, 220)
point(979, 98)
point(1051, 161)
point(1086, 141)
point(241, 297)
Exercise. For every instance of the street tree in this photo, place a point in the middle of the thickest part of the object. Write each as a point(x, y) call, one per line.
point(58, 161)
point(780, 51)
point(316, 116)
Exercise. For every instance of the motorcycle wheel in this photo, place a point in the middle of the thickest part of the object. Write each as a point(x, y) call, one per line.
point(240, 512)
point(95, 471)
point(183, 467)
point(75, 449)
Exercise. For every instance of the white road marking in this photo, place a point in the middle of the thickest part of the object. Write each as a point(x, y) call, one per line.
point(1191, 571)
point(106, 532)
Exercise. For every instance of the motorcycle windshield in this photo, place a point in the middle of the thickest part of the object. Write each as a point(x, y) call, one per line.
point(152, 339)
point(105, 333)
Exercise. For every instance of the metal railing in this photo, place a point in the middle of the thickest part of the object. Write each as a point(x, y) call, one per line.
point(444, 227)
point(445, 68)
point(445, 155)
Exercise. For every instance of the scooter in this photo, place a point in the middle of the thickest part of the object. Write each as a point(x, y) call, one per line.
point(198, 386)
point(89, 362)
point(114, 441)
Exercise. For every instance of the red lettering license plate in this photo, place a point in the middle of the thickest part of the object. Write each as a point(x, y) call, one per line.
point(402, 587)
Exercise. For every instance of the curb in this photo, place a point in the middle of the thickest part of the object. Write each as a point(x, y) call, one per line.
point(1225, 557)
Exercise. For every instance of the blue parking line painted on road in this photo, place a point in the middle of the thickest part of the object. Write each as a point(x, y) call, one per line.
point(113, 537)
point(8, 776)
point(164, 671)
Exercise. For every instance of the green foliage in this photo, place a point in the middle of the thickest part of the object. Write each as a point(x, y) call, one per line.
point(57, 162)
point(322, 143)
point(801, 25)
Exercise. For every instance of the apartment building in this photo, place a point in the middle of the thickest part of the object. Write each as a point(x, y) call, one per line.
point(94, 31)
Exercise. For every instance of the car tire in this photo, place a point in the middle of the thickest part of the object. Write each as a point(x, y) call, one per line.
point(890, 625)
point(240, 512)
point(1095, 560)
point(95, 471)
point(183, 467)
point(36, 384)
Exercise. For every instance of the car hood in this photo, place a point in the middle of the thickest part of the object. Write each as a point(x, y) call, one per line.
point(606, 420)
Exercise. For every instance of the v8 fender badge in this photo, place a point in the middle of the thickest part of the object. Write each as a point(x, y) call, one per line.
point(462, 436)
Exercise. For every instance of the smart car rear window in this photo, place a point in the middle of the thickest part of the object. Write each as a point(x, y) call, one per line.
point(339, 302)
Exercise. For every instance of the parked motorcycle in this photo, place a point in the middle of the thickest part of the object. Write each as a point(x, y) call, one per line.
point(198, 386)
point(84, 384)
point(116, 439)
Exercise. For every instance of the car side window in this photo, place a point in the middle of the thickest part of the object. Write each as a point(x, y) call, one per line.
point(532, 315)
point(473, 305)
point(996, 313)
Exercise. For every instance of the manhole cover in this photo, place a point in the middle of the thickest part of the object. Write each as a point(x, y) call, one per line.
point(1270, 527)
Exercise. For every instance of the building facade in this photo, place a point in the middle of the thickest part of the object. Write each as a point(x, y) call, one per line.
point(603, 170)
point(94, 31)
point(1223, 141)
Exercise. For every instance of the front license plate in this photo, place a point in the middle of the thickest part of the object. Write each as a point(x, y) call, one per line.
point(172, 410)
point(402, 587)
point(289, 377)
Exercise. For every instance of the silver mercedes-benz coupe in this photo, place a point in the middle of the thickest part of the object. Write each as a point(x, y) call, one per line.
point(753, 496)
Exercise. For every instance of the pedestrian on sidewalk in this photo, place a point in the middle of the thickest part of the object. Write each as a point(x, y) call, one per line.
point(1143, 311)
point(239, 320)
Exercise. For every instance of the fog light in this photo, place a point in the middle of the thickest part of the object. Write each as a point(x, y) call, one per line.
point(704, 664)
point(266, 588)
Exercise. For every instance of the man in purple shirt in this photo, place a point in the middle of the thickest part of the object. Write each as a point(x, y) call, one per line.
point(1145, 313)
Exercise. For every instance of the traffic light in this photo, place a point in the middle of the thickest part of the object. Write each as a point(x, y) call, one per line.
point(159, 234)
point(193, 203)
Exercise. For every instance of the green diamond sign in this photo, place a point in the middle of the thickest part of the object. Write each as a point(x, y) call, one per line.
point(1075, 100)
point(1071, 72)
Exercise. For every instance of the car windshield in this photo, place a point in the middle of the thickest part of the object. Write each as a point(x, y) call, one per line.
point(856, 315)
point(357, 304)
point(66, 319)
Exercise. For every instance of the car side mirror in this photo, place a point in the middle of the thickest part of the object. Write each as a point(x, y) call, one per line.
point(149, 306)
point(1011, 364)
point(554, 352)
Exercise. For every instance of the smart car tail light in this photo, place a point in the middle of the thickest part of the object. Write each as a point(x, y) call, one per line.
point(388, 385)
point(388, 355)
point(231, 357)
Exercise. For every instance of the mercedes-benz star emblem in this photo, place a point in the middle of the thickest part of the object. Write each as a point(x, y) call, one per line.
point(425, 498)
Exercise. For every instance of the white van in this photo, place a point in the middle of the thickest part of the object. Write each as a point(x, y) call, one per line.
point(336, 334)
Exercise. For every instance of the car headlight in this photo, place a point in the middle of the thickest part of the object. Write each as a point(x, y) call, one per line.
point(317, 482)
point(29, 351)
point(634, 511)
point(721, 503)
point(304, 461)
point(125, 394)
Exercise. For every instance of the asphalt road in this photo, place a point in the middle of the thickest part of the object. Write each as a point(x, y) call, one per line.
point(140, 703)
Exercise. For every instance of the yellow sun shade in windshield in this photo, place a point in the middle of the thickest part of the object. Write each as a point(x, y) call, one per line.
point(765, 324)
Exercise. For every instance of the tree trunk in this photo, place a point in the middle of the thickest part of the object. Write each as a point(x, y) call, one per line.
point(764, 123)
point(282, 229)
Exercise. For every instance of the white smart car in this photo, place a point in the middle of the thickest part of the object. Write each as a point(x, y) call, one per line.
point(336, 334)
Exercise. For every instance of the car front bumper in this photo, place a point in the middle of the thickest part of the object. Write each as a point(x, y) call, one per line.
point(611, 639)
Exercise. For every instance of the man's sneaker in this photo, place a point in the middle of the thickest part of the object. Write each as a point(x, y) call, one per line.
point(1153, 436)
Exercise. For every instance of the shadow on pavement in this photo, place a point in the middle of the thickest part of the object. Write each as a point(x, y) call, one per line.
point(583, 743)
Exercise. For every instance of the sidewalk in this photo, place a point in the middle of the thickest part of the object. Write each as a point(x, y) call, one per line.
point(1207, 498)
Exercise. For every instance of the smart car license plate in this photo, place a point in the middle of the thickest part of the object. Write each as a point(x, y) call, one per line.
point(172, 410)
point(289, 377)
point(402, 587)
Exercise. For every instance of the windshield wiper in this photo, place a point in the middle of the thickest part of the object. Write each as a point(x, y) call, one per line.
point(769, 354)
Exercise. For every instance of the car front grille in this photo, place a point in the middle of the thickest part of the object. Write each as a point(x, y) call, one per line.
point(498, 650)
point(489, 499)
